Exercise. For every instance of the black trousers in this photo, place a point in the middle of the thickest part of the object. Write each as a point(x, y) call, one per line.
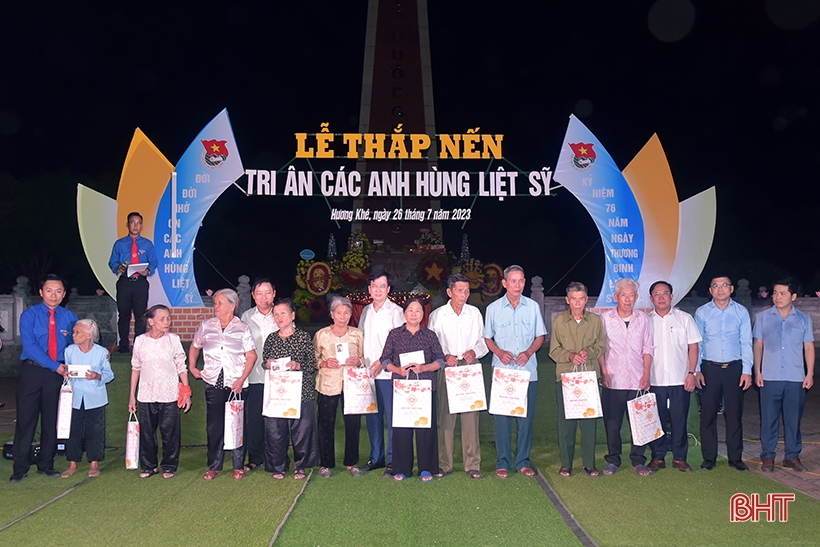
point(721, 383)
point(254, 424)
point(38, 392)
point(426, 446)
point(164, 416)
point(215, 400)
point(131, 296)
point(87, 428)
point(613, 403)
point(328, 404)
point(280, 432)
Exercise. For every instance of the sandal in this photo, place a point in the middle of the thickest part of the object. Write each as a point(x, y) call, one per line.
point(210, 475)
point(475, 474)
point(355, 471)
point(299, 474)
point(399, 477)
point(566, 472)
point(642, 471)
point(238, 474)
point(502, 473)
point(167, 475)
point(278, 476)
point(426, 476)
point(251, 467)
point(441, 473)
point(527, 471)
point(324, 472)
point(610, 469)
point(149, 473)
point(591, 471)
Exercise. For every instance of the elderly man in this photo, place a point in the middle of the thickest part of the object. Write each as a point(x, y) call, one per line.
point(132, 290)
point(514, 330)
point(576, 340)
point(625, 370)
point(46, 332)
point(460, 330)
point(378, 319)
point(672, 375)
point(726, 369)
point(260, 320)
point(783, 336)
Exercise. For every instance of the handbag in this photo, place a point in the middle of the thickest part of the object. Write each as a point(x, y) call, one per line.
point(644, 420)
point(132, 442)
point(64, 411)
point(412, 403)
point(234, 421)
point(283, 394)
point(465, 388)
point(359, 391)
point(508, 394)
point(582, 398)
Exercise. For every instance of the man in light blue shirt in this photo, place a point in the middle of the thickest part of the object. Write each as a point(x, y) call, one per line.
point(514, 330)
point(726, 371)
point(782, 336)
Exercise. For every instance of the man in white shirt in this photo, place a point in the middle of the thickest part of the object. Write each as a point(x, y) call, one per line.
point(260, 320)
point(672, 375)
point(460, 330)
point(378, 319)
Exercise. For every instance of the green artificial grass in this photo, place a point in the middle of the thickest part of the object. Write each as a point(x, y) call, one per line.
point(669, 507)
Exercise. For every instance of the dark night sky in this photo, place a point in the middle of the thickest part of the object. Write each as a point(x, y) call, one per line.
point(735, 102)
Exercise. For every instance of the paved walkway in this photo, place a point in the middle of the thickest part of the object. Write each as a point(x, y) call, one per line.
point(808, 482)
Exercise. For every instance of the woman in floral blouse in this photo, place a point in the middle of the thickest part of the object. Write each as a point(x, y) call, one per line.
point(295, 344)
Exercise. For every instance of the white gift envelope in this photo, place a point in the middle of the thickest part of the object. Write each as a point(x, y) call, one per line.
point(78, 371)
point(411, 357)
point(134, 268)
point(342, 352)
point(280, 364)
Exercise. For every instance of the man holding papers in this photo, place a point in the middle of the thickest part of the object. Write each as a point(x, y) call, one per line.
point(460, 330)
point(130, 253)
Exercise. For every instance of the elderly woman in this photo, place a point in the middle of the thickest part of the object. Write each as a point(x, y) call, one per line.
point(229, 354)
point(411, 337)
point(90, 398)
point(158, 366)
point(296, 345)
point(330, 381)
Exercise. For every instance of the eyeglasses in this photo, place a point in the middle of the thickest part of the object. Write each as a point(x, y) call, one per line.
point(664, 293)
point(721, 285)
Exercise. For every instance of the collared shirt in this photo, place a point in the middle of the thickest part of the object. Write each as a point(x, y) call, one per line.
point(626, 347)
point(571, 336)
point(159, 361)
point(223, 349)
point(459, 333)
point(515, 329)
point(299, 347)
point(376, 325)
point(672, 335)
point(121, 253)
point(727, 334)
point(34, 333)
point(91, 393)
point(330, 381)
point(783, 339)
point(261, 326)
point(400, 340)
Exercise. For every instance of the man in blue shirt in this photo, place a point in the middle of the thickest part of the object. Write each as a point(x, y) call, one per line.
point(514, 330)
point(132, 290)
point(782, 336)
point(45, 330)
point(726, 371)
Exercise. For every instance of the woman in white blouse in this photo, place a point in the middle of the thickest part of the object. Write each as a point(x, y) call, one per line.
point(158, 367)
point(229, 354)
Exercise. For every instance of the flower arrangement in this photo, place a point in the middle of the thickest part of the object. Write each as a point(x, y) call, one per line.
point(301, 272)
